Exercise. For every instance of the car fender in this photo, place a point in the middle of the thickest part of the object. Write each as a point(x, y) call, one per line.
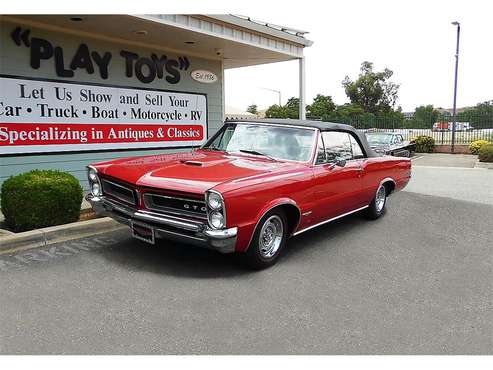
point(270, 206)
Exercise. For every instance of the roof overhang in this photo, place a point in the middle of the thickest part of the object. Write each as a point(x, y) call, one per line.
point(237, 41)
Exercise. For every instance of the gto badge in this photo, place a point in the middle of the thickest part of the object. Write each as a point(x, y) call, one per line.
point(194, 207)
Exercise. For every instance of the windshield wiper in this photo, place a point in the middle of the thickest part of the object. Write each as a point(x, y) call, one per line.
point(255, 152)
point(216, 149)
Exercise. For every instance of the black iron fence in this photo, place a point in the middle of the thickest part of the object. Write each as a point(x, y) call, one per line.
point(468, 127)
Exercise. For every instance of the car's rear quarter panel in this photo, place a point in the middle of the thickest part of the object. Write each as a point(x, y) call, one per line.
point(377, 169)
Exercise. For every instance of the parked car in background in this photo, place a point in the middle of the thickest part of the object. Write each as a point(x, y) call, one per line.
point(391, 143)
point(250, 187)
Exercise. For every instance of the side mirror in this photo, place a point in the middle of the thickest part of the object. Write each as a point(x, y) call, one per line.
point(341, 162)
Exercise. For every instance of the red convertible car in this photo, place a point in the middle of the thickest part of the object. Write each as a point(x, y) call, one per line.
point(250, 187)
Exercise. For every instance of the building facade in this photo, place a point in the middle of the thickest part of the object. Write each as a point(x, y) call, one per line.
point(77, 90)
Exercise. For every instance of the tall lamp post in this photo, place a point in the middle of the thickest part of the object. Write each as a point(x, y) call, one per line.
point(454, 117)
point(276, 91)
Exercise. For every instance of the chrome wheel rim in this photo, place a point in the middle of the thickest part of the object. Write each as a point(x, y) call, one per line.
point(270, 237)
point(380, 198)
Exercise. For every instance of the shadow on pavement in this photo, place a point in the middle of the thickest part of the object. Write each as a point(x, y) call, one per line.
point(183, 260)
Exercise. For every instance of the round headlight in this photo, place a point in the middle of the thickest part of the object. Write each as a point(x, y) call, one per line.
point(93, 176)
point(217, 220)
point(96, 189)
point(214, 201)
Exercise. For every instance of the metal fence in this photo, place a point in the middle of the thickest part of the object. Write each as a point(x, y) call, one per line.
point(468, 127)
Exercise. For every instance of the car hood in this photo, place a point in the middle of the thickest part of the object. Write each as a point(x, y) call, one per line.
point(193, 172)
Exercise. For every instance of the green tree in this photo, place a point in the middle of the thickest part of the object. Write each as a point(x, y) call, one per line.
point(373, 91)
point(322, 106)
point(424, 117)
point(480, 116)
point(290, 110)
point(253, 109)
point(276, 111)
point(293, 108)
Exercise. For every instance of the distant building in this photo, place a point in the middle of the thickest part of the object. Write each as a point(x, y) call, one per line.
point(232, 113)
point(261, 113)
point(449, 111)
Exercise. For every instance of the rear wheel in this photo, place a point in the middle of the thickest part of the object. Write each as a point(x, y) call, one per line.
point(268, 240)
point(377, 206)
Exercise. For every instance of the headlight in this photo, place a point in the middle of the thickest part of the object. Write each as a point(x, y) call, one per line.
point(96, 189)
point(94, 183)
point(214, 201)
point(93, 176)
point(217, 220)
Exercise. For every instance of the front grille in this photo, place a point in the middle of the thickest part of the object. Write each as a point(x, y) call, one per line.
point(118, 191)
point(175, 205)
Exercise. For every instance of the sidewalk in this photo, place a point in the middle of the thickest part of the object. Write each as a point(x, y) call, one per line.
point(456, 176)
point(445, 160)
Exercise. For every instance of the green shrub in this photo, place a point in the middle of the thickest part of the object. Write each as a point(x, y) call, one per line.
point(486, 153)
point(476, 145)
point(40, 198)
point(424, 144)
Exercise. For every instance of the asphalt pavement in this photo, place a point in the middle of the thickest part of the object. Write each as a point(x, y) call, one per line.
point(417, 281)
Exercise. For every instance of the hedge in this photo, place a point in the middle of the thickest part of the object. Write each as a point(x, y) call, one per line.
point(40, 198)
point(476, 145)
point(486, 153)
point(424, 144)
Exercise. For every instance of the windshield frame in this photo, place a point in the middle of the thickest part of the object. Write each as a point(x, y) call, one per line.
point(223, 127)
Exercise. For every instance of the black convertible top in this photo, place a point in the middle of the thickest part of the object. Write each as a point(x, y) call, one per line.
point(322, 126)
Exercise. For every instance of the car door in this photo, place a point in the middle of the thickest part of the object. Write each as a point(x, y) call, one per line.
point(337, 188)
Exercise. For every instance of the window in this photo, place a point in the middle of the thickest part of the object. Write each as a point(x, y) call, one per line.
point(321, 158)
point(357, 151)
point(337, 145)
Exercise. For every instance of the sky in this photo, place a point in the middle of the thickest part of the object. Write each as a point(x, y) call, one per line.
point(415, 39)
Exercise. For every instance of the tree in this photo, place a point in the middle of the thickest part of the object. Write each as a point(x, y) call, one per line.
point(290, 110)
point(322, 106)
point(252, 109)
point(293, 108)
point(425, 116)
point(276, 111)
point(373, 91)
point(480, 116)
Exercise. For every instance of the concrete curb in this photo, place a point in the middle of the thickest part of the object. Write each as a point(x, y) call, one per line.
point(486, 165)
point(56, 234)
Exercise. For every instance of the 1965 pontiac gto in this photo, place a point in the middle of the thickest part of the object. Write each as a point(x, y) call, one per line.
point(250, 187)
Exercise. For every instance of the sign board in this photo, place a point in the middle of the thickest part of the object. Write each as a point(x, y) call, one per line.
point(38, 116)
point(201, 75)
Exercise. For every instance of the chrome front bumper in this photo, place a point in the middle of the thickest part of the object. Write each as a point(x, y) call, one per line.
point(167, 226)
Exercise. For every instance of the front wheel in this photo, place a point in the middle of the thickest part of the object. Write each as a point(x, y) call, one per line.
point(268, 240)
point(377, 205)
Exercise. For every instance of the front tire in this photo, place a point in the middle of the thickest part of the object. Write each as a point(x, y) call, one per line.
point(377, 206)
point(268, 240)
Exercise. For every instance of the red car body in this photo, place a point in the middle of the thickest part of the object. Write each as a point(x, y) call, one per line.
point(251, 185)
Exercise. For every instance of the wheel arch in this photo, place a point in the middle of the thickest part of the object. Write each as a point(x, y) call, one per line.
point(389, 184)
point(291, 210)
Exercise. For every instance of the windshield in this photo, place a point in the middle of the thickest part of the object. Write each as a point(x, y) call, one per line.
point(288, 143)
point(378, 139)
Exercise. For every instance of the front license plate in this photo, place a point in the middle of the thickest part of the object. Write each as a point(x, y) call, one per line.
point(142, 232)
